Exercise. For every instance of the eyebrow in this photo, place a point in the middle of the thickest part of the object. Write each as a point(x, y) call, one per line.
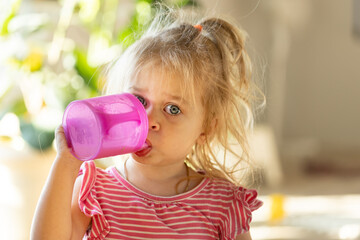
point(175, 97)
point(178, 98)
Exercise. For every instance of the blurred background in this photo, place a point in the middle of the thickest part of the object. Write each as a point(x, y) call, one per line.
point(306, 55)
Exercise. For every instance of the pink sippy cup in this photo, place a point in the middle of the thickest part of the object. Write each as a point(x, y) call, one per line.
point(105, 126)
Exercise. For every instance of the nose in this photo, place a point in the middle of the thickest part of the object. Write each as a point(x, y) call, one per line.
point(154, 124)
point(155, 127)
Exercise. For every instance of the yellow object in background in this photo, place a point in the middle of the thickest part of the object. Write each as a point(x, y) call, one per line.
point(34, 60)
point(277, 212)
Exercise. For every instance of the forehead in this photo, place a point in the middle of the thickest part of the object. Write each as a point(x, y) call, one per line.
point(163, 82)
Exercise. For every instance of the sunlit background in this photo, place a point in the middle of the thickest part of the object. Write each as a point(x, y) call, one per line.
point(307, 57)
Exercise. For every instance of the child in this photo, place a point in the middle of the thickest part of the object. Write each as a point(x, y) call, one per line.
point(194, 82)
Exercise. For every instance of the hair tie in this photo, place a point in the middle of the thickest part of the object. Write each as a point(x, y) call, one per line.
point(198, 27)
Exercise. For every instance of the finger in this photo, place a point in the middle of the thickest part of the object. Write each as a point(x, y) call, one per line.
point(62, 147)
point(59, 130)
point(60, 137)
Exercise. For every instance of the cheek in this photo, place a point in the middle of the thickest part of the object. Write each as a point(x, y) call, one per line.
point(189, 134)
point(184, 136)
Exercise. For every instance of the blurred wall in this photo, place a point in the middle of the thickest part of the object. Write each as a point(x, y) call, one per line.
point(324, 78)
point(312, 78)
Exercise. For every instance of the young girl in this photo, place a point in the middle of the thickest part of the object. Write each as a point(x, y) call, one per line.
point(194, 80)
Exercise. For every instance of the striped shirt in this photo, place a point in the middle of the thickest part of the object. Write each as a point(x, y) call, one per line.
point(214, 209)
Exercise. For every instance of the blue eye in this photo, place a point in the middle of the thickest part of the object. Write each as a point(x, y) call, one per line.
point(172, 109)
point(142, 100)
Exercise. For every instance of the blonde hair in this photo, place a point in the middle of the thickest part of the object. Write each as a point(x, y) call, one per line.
point(211, 58)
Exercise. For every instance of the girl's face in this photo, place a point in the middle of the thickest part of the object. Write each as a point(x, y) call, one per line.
point(175, 124)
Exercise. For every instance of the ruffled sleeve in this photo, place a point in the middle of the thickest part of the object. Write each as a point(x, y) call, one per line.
point(89, 204)
point(240, 213)
point(250, 203)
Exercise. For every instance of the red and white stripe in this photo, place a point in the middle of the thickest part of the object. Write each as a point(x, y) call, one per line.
point(215, 209)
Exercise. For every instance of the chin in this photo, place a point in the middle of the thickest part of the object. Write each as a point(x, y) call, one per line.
point(140, 159)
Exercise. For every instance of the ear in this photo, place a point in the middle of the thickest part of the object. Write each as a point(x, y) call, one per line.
point(201, 139)
point(209, 135)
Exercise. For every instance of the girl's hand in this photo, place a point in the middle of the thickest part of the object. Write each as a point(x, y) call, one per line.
point(63, 151)
point(57, 215)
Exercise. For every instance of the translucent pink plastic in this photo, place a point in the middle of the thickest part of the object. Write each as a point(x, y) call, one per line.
point(105, 126)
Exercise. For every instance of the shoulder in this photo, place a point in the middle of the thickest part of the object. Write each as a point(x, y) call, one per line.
point(91, 168)
point(221, 186)
point(91, 173)
point(220, 193)
point(95, 181)
point(236, 204)
point(237, 193)
point(95, 187)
